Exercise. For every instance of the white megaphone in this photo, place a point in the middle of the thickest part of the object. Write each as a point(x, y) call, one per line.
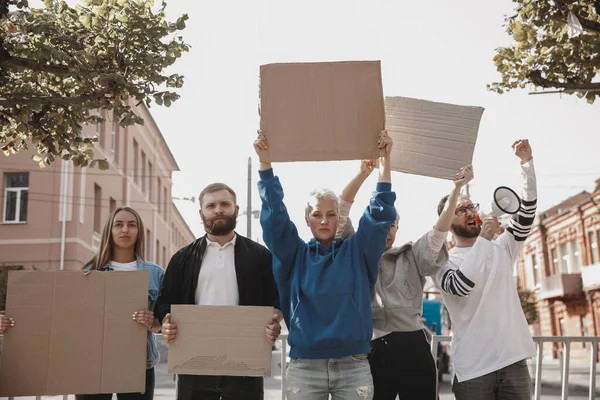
point(505, 201)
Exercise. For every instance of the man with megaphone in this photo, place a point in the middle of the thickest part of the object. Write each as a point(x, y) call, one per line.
point(478, 289)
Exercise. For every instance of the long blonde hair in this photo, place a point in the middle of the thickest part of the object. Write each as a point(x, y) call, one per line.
point(105, 251)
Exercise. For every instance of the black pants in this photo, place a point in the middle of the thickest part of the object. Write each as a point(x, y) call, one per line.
point(147, 395)
point(402, 365)
point(201, 387)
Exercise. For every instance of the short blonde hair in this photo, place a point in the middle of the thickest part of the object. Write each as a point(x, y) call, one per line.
point(321, 194)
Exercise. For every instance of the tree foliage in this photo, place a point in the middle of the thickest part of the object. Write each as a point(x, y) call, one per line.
point(60, 63)
point(527, 299)
point(544, 55)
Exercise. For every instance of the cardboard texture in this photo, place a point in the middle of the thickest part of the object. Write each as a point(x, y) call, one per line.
point(431, 139)
point(74, 333)
point(220, 340)
point(321, 111)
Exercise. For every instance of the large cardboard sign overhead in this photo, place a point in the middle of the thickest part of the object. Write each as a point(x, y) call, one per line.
point(321, 111)
point(220, 340)
point(430, 138)
point(74, 333)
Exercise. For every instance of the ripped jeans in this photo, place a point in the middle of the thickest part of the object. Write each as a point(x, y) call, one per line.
point(346, 378)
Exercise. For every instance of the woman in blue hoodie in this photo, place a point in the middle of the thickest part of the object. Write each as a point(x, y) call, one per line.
point(325, 285)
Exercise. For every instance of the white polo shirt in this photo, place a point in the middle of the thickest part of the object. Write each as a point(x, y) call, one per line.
point(217, 281)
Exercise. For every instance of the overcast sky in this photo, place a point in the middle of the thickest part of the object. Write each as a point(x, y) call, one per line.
point(433, 50)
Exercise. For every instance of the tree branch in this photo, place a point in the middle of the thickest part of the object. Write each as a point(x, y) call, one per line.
point(14, 101)
point(586, 24)
point(537, 79)
point(33, 65)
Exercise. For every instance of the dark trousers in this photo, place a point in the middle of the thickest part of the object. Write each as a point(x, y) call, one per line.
point(402, 365)
point(509, 383)
point(147, 395)
point(202, 387)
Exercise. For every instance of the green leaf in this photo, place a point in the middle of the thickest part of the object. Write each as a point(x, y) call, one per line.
point(103, 165)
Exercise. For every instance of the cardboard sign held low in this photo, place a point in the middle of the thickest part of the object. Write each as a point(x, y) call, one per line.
point(321, 111)
point(74, 333)
point(220, 340)
point(431, 139)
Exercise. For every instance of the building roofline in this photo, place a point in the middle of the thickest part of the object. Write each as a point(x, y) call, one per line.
point(160, 135)
point(183, 219)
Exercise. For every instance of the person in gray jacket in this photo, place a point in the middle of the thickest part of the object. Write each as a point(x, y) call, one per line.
point(400, 357)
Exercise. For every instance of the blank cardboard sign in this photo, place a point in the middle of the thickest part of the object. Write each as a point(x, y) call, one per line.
point(321, 111)
point(74, 333)
point(220, 340)
point(431, 139)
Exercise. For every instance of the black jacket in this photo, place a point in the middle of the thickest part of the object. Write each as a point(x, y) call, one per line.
point(252, 267)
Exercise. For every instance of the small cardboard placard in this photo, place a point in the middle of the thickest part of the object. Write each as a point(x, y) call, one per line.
point(321, 111)
point(431, 139)
point(74, 333)
point(220, 340)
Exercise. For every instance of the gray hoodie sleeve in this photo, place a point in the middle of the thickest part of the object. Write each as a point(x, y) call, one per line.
point(423, 253)
point(345, 228)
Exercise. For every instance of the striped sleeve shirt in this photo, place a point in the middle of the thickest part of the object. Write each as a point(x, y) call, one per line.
point(460, 281)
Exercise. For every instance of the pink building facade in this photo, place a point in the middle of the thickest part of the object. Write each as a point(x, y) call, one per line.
point(141, 167)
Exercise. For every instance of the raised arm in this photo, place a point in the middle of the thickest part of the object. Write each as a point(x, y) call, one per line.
point(464, 176)
point(345, 228)
point(430, 253)
point(375, 222)
point(279, 232)
point(520, 224)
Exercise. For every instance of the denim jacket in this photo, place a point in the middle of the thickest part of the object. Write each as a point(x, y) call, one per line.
point(156, 274)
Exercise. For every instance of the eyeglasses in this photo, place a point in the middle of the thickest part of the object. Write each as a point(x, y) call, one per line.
point(460, 211)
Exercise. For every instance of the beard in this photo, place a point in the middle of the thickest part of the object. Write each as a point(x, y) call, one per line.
point(221, 228)
point(464, 232)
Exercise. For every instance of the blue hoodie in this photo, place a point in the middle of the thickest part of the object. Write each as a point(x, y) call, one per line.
point(325, 292)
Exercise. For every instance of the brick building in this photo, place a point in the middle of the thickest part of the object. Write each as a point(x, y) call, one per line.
point(561, 263)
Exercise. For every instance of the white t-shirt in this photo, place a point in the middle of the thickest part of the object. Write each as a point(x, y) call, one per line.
point(117, 266)
point(217, 281)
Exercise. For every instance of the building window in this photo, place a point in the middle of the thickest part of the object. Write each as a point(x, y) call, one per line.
point(164, 257)
point(158, 186)
point(593, 237)
point(575, 257)
point(571, 257)
point(113, 138)
point(537, 272)
point(16, 193)
point(148, 248)
point(157, 256)
point(97, 208)
point(136, 162)
point(149, 183)
point(99, 127)
point(144, 177)
point(555, 262)
point(165, 197)
point(113, 205)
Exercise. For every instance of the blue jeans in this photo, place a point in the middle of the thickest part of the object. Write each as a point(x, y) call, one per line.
point(346, 378)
